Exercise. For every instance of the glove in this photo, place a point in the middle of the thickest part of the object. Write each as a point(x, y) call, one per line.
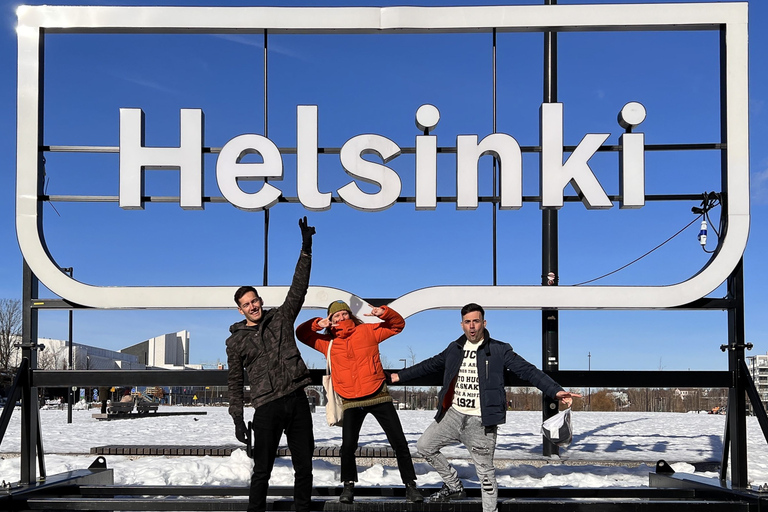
point(241, 431)
point(387, 376)
point(306, 236)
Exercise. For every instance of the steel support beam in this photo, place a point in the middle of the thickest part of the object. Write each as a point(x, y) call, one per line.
point(30, 427)
point(573, 378)
point(737, 402)
point(550, 318)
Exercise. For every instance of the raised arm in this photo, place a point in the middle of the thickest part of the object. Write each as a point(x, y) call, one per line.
point(309, 334)
point(392, 323)
point(298, 289)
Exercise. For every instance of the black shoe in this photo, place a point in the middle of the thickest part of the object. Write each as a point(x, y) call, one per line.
point(447, 494)
point(348, 494)
point(412, 494)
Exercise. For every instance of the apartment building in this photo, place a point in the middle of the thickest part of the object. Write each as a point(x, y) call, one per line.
point(758, 369)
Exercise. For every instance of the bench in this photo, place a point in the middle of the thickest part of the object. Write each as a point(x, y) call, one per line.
point(364, 452)
point(120, 407)
point(146, 407)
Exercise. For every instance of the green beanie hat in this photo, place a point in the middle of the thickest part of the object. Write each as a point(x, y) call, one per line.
point(336, 306)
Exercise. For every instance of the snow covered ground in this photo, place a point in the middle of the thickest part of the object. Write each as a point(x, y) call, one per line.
point(637, 440)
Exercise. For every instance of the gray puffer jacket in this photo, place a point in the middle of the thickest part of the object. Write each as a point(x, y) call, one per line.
point(268, 351)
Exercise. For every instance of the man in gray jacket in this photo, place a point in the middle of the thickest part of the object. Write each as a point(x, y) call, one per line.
point(264, 345)
point(472, 402)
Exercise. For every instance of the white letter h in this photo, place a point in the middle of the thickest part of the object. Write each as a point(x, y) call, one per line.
point(135, 158)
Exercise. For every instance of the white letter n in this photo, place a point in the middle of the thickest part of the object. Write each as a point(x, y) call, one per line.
point(507, 151)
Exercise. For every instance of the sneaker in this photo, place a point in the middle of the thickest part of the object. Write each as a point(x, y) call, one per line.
point(348, 494)
point(412, 494)
point(447, 494)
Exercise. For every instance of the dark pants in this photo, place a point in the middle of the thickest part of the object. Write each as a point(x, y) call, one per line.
point(387, 417)
point(291, 415)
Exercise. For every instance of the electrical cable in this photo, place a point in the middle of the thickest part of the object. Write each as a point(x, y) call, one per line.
point(711, 200)
point(641, 257)
point(47, 181)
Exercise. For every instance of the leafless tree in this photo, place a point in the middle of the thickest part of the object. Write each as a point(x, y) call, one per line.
point(411, 355)
point(10, 332)
point(48, 359)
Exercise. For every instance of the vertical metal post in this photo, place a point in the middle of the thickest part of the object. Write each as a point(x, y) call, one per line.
point(737, 403)
point(549, 248)
point(405, 388)
point(494, 203)
point(29, 406)
point(265, 279)
point(589, 389)
point(736, 421)
point(70, 393)
point(30, 415)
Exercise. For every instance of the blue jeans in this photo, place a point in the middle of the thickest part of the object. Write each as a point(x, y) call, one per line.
point(455, 428)
point(289, 414)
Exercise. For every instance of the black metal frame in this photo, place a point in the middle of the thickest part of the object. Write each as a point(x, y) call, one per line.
point(550, 263)
point(91, 489)
point(18, 392)
point(76, 495)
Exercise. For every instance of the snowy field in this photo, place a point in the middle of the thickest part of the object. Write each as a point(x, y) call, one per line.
point(637, 440)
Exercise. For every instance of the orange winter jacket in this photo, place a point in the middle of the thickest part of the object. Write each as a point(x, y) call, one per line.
point(355, 361)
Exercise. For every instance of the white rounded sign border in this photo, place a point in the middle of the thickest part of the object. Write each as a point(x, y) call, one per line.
point(731, 16)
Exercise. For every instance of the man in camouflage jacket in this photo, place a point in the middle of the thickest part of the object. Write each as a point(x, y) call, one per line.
point(264, 345)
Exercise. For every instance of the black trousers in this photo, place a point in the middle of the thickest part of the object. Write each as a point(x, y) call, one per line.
point(387, 417)
point(291, 415)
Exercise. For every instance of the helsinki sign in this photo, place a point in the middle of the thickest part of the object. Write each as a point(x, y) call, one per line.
point(554, 176)
point(730, 19)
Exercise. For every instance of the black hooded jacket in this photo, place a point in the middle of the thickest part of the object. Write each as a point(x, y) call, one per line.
point(268, 351)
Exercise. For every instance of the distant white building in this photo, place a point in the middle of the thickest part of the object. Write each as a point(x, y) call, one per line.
point(169, 351)
point(758, 369)
point(166, 352)
point(55, 356)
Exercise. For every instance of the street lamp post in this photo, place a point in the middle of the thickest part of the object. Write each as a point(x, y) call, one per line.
point(70, 393)
point(405, 388)
point(589, 389)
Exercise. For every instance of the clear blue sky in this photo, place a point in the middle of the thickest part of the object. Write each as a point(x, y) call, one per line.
point(374, 84)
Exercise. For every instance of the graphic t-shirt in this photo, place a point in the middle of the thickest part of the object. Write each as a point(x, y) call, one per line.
point(466, 393)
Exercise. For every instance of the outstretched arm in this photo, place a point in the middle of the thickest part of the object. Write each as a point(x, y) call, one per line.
point(515, 363)
point(435, 364)
point(566, 397)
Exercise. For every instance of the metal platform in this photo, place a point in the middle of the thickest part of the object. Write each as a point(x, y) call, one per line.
point(324, 499)
point(92, 489)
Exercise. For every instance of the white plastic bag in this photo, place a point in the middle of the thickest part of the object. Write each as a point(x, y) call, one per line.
point(558, 428)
